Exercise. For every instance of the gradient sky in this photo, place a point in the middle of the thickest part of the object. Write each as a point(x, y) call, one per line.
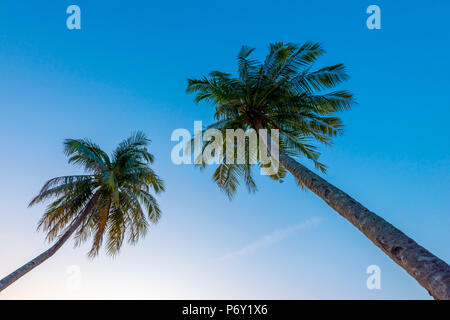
point(126, 70)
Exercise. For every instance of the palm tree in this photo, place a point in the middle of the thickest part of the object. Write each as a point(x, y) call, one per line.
point(283, 93)
point(109, 202)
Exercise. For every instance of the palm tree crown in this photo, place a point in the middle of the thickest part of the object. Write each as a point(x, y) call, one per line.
point(283, 93)
point(116, 189)
point(279, 93)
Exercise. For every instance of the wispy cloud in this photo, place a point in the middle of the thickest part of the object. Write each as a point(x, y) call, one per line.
point(274, 237)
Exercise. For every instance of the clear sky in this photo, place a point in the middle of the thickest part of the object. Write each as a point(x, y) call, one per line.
point(126, 70)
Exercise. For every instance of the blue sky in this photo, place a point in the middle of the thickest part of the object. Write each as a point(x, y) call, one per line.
point(126, 70)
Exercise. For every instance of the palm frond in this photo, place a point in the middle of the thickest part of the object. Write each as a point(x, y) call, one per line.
point(122, 186)
point(283, 92)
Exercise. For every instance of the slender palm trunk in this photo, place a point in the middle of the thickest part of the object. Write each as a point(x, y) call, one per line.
point(12, 277)
point(430, 271)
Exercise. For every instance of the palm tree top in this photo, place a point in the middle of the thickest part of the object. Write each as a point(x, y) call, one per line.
point(118, 187)
point(282, 92)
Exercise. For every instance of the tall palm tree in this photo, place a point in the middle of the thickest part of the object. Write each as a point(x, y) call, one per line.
point(283, 93)
point(109, 202)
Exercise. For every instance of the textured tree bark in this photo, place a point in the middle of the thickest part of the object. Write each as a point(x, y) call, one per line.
point(12, 277)
point(430, 271)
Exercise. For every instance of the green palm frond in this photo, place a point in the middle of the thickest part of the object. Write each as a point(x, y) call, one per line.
point(124, 206)
point(87, 154)
point(283, 92)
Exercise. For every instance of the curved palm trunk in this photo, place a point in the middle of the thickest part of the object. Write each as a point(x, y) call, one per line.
point(12, 277)
point(430, 271)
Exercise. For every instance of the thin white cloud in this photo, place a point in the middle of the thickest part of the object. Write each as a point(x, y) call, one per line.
point(274, 237)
